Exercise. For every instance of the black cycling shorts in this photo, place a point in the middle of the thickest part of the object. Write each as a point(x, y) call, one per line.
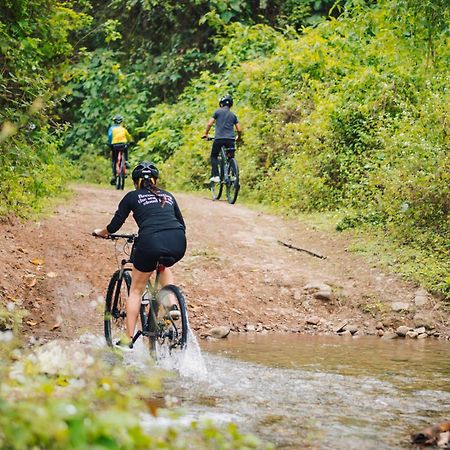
point(219, 143)
point(169, 245)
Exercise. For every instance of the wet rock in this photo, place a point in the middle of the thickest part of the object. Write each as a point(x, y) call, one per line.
point(411, 334)
point(402, 330)
point(400, 306)
point(437, 435)
point(379, 326)
point(389, 335)
point(420, 330)
point(340, 326)
point(219, 332)
point(313, 320)
point(250, 327)
point(352, 328)
point(422, 336)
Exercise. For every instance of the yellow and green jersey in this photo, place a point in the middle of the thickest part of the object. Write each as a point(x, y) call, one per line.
point(118, 134)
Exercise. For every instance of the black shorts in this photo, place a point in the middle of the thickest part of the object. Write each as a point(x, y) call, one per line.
point(166, 247)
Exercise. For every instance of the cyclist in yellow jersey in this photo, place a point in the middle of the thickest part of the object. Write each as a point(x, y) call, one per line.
point(118, 139)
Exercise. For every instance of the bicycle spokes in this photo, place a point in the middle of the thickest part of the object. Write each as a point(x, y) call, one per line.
point(168, 320)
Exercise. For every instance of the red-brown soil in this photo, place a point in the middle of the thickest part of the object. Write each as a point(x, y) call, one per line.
point(235, 273)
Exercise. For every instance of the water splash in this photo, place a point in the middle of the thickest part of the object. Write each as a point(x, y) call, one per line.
point(188, 363)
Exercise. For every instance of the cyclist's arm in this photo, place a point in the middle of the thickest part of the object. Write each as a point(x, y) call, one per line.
point(123, 211)
point(128, 136)
point(239, 130)
point(208, 126)
point(109, 136)
point(178, 214)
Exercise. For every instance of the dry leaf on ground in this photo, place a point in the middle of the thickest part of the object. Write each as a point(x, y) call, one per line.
point(37, 261)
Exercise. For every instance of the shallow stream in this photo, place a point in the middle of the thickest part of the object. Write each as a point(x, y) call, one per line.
point(303, 392)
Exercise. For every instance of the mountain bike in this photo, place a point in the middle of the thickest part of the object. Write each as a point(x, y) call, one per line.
point(157, 323)
point(120, 166)
point(228, 174)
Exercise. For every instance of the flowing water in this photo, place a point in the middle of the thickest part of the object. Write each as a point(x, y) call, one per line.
point(298, 392)
point(303, 392)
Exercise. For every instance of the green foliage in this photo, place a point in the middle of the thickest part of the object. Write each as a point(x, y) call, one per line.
point(98, 90)
point(348, 116)
point(34, 41)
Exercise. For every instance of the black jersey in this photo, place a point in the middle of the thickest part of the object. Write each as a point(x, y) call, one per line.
point(148, 211)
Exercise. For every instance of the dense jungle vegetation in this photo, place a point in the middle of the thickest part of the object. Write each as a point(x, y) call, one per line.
point(345, 108)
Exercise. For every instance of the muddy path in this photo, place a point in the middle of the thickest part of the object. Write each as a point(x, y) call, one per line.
point(236, 273)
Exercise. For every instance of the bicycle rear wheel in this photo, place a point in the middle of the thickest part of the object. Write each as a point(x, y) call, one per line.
point(168, 330)
point(217, 188)
point(115, 307)
point(232, 189)
point(120, 170)
point(120, 180)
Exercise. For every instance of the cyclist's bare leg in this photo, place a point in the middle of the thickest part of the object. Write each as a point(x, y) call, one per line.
point(165, 278)
point(138, 282)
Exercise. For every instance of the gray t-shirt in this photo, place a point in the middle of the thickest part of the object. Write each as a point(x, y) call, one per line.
point(225, 122)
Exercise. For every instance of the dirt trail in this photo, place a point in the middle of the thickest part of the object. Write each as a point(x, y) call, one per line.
point(235, 273)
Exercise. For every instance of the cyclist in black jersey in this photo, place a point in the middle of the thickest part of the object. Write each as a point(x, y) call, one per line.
point(161, 233)
point(226, 121)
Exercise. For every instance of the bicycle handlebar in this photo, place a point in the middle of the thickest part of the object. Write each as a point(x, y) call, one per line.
point(114, 237)
point(209, 138)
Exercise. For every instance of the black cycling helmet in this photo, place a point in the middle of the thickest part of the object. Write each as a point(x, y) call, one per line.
point(145, 169)
point(226, 100)
point(118, 119)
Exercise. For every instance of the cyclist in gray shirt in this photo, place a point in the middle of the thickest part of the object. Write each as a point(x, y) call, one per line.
point(226, 122)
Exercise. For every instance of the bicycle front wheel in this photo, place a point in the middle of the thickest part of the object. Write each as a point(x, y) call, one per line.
point(168, 325)
point(233, 181)
point(115, 307)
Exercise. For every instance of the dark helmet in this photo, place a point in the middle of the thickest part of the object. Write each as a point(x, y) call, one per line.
point(145, 169)
point(226, 100)
point(118, 119)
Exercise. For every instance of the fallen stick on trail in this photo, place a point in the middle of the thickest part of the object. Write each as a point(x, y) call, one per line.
point(302, 250)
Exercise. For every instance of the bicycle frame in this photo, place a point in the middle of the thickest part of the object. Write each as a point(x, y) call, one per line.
point(226, 155)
